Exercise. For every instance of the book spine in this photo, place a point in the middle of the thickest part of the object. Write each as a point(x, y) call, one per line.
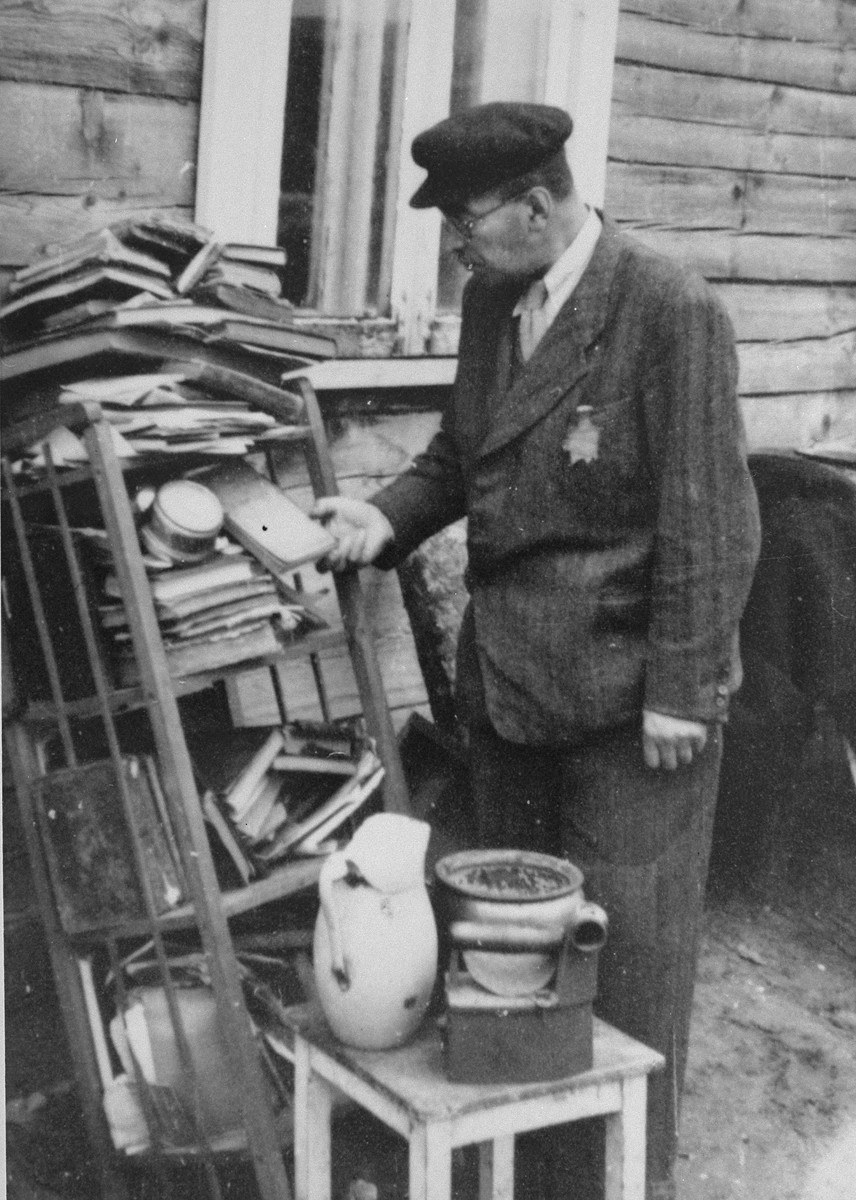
point(163, 877)
point(160, 800)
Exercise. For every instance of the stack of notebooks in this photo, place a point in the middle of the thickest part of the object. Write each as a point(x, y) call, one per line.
point(268, 796)
point(157, 272)
point(222, 611)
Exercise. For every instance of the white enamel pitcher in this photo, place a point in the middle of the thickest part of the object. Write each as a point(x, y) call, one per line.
point(375, 946)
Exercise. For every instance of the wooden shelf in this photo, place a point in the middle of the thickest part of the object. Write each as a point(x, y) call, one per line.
point(126, 699)
point(207, 910)
point(293, 876)
point(158, 463)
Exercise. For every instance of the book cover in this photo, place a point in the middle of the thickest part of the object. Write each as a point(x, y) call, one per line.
point(206, 654)
point(224, 366)
point(245, 300)
point(244, 274)
point(240, 795)
point(102, 247)
point(114, 282)
point(89, 849)
point(251, 252)
point(263, 518)
point(226, 837)
point(306, 831)
point(150, 767)
point(180, 582)
point(202, 260)
point(174, 242)
point(221, 757)
point(258, 331)
point(264, 803)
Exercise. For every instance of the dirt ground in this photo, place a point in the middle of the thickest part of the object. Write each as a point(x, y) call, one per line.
point(770, 1105)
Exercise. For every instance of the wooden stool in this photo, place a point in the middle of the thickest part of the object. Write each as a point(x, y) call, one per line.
point(408, 1090)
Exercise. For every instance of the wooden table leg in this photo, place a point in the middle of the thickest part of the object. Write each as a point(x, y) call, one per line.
point(625, 1143)
point(313, 1103)
point(496, 1169)
point(430, 1162)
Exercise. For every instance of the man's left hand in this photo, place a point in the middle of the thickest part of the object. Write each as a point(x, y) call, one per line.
point(670, 741)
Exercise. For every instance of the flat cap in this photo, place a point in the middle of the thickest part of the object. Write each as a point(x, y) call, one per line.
point(474, 151)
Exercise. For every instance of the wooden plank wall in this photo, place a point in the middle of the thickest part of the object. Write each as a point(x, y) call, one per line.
point(733, 147)
point(100, 105)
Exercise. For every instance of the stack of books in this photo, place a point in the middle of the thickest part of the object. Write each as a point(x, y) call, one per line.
point(235, 605)
point(224, 610)
point(157, 272)
point(267, 798)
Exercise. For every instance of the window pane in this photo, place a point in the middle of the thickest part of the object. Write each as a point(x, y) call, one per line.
point(342, 115)
point(500, 54)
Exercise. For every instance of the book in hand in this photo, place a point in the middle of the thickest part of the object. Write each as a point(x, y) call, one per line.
point(263, 518)
point(88, 844)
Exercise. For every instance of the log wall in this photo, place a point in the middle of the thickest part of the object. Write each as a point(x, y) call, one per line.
point(100, 105)
point(733, 147)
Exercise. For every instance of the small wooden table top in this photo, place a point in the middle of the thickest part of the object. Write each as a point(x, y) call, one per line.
point(413, 1076)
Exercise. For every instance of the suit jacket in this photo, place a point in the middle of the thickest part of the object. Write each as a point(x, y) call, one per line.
point(610, 551)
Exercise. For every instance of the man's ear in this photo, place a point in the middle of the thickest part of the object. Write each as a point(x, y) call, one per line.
point(540, 205)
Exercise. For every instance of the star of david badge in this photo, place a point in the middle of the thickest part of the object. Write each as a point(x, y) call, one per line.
point(581, 440)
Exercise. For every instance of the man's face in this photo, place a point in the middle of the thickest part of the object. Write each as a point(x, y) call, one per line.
point(492, 236)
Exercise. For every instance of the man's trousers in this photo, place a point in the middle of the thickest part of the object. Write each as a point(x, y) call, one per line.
point(642, 839)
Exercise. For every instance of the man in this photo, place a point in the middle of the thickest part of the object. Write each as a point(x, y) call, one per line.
point(594, 442)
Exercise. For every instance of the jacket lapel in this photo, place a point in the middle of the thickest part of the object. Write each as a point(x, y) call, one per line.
point(560, 360)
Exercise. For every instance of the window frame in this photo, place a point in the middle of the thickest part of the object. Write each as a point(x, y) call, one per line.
point(242, 112)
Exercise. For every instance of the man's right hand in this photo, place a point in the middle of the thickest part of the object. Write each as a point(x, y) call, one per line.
point(361, 531)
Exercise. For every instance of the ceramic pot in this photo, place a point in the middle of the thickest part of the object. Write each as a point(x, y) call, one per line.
point(519, 906)
point(375, 943)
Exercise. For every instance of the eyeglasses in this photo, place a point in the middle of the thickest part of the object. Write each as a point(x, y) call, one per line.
point(465, 226)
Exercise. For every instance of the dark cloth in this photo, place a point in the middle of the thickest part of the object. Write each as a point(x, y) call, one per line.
point(798, 644)
point(598, 587)
point(800, 618)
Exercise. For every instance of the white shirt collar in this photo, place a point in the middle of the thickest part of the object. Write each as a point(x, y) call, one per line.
point(567, 270)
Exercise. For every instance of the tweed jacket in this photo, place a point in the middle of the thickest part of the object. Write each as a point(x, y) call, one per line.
point(612, 523)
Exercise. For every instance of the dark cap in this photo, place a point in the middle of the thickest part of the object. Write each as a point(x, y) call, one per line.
point(473, 152)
